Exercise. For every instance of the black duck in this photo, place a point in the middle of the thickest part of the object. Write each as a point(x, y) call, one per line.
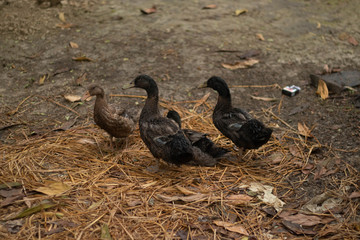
point(114, 121)
point(236, 124)
point(161, 135)
point(199, 139)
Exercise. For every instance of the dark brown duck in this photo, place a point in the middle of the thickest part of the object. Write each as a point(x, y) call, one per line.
point(235, 123)
point(199, 139)
point(114, 121)
point(161, 135)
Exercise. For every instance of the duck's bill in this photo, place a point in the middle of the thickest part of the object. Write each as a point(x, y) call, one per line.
point(85, 96)
point(203, 85)
point(129, 85)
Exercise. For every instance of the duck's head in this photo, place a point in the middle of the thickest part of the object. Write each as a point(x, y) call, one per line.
point(174, 115)
point(141, 81)
point(218, 84)
point(93, 90)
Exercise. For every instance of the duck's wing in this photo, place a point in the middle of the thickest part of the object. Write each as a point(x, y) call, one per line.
point(232, 120)
point(158, 129)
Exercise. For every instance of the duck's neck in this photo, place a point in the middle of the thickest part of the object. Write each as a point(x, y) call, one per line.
point(224, 100)
point(100, 101)
point(151, 104)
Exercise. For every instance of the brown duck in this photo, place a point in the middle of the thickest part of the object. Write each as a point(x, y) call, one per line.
point(114, 121)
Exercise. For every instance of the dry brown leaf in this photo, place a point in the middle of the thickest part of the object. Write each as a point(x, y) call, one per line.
point(185, 190)
point(72, 98)
point(64, 25)
point(149, 10)
point(304, 130)
point(62, 17)
point(243, 64)
point(134, 203)
point(81, 79)
point(84, 59)
point(354, 195)
point(73, 45)
point(306, 220)
point(266, 99)
point(53, 188)
point(296, 228)
point(294, 150)
point(238, 199)
point(191, 198)
point(238, 228)
point(42, 79)
point(353, 41)
point(318, 25)
point(210, 6)
point(260, 37)
point(322, 90)
point(202, 100)
point(240, 11)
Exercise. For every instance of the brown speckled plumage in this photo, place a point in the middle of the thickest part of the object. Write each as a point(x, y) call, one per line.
point(114, 121)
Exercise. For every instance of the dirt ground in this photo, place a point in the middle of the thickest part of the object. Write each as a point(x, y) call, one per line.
point(180, 46)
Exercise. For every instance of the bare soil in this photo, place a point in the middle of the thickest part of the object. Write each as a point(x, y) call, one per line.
point(181, 46)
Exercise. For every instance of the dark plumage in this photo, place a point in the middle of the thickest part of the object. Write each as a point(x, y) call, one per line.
point(199, 139)
point(162, 136)
point(114, 121)
point(235, 123)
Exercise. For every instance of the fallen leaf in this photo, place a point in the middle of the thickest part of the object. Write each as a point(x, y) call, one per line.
point(149, 10)
point(191, 198)
point(243, 64)
point(84, 59)
point(321, 171)
point(134, 203)
point(322, 90)
point(81, 79)
point(297, 229)
point(321, 203)
point(354, 195)
point(202, 100)
point(353, 41)
point(266, 194)
point(94, 205)
point(73, 45)
point(238, 228)
point(10, 200)
point(61, 70)
point(11, 192)
point(240, 11)
point(304, 130)
point(303, 220)
point(66, 125)
point(210, 6)
point(185, 190)
point(86, 141)
point(33, 210)
point(276, 157)
point(294, 150)
point(105, 233)
point(238, 199)
point(72, 98)
point(64, 25)
point(42, 79)
point(54, 188)
point(62, 17)
point(260, 37)
point(266, 99)
point(318, 25)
